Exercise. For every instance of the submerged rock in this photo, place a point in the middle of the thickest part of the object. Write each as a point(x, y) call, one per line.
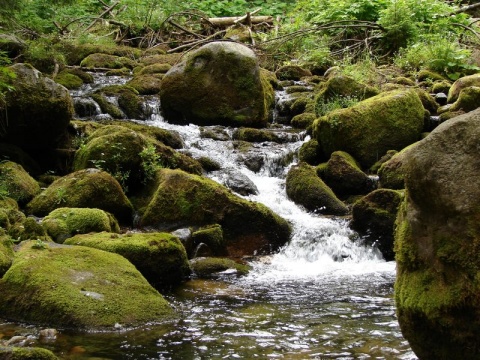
point(437, 243)
point(78, 287)
point(160, 257)
point(218, 84)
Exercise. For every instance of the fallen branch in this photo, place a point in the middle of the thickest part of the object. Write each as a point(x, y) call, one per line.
point(101, 16)
point(465, 9)
point(197, 43)
point(173, 23)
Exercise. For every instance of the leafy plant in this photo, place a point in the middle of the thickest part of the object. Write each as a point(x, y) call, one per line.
point(150, 162)
point(338, 102)
point(61, 196)
point(39, 245)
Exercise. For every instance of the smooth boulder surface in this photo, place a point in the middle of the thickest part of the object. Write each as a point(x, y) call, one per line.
point(219, 84)
point(78, 287)
point(437, 289)
point(367, 130)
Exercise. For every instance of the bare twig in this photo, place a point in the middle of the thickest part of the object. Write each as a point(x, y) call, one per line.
point(197, 43)
point(101, 16)
point(173, 23)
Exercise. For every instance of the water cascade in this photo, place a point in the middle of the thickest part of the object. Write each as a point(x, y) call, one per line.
point(323, 296)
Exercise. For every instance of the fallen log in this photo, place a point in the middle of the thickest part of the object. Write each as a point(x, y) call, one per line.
point(224, 22)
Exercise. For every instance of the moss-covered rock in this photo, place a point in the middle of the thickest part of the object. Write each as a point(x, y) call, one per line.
point(220, 83)
point(441, 87)
point(28, 228)
point(428, 101)
point(367, 130)
point(151, 59)
point(256, 135)
point(292, 72)
point(391, 174)
point(26, 353)
point(147, 84)
point(428, 75)
point(206, 267)
point(373, 217)
point(6, 253)
point(304, 187)
point(310, 152)
point(437, 289)
point(304, 120)
point(106, 106)
point(468, 99)
point(89, 188)
point(160, 257)
point(212, 237)
point(70, 81)
point(388, 155)
point(10, 214)
point(63, 223)
point(17, 182)
point(107, 61)
point(75, 52)
point(460, 84)
point(78, 287)
point(344, 176)
point(39, 110)
point(157, 68)
point(180, 199)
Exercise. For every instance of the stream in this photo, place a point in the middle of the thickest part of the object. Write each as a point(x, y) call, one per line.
point(323, 296)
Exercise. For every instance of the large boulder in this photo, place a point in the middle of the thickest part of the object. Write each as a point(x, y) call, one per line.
point(89, 188)
point(437, 290)
point(391, 174)
point(460, 84)
point(63, 223)
point(220, 83)
point(6, 253)
point(180, 200)
point(78, 287)
point(39, 110)
point(367, 130)
point(304, 187)
point(160, 257)
point(17, 182)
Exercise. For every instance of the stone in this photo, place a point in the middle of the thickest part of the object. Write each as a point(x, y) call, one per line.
point(17, 182)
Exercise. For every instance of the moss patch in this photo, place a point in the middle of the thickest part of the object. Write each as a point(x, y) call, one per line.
point(208, 267)
point(17, 182)
point(26, 353)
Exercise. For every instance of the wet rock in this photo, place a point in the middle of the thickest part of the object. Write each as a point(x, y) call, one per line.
point(207, 267)
point(106, 61)
point(239, 183)
point(210, 239)
point(436, 242)
point(56, 286)
point(160, 257)
point(85, 107)
point(220, 83)
point(441, 98)
point(305, 188)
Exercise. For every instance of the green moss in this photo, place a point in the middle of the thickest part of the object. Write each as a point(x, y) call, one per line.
point(367, 130)
point(255, 135)
point(388, 155)
point(17, 182)
point(208, 267)
point(468, 99)
point(171, 59)
point(424, 75)
point(160, 257)
point(106, 61)
point(106, 106)
point(442, 86)
point(305, 188)
point(310, 152)
point(460, 84)
point(75, 52)
point(6, 253)
point(26, 353)
point(212, 236)
point(132, 105)
point(208, 164)
point(70, 81)
point(78, 287)
point(147, 84)
point(63, 223)
point(90, 188)
point(155, 69)
point(292, 72)
point(303, 121)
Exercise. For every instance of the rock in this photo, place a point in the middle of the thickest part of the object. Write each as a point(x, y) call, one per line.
point(28, 229)
point(17, 182)
point(428, 75)
point(207, 267)
point(310, 152)
point(180, 199)
point(304, 120)
point(373, 217)
point(85, 107)
point(78, 287)
point(388, 155)
point(6, 253)
point(391, 174)
point(468, 99)
point(63, 223)
point(436, 243)
point(160, 257)
point(106, 61)
point(39, 110)
point(12, 45)
point(256, 135)
point(292, 72)
point(441, 98)
point(460, 84)
point(147, 84)
point(239, 183)
point(218, 84)
point(208, 164)
point(89, 188)
point(157, 68)
point(305, 188)
point(212, 237)
point(367, 130)
point(22, 353)
point(344, 176)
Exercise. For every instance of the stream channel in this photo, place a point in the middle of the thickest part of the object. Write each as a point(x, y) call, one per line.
point(323, 296)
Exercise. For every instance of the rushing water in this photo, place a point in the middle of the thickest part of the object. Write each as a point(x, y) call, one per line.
point(323, 296)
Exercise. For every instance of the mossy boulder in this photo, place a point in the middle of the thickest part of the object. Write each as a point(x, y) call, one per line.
point(256, 135)
point(207, 267)
point(210, 236)
point(344, 176)
point(6, 253)
point(437, 289)
point(160, 257)
point(460, 84)
point(17, 182)
point(218, 84)
point(78, 287)
point(468, 99)
point(157, 68)
point(28, 228)
point(10, 214)
point(39, 110)
point(343, 86)
point(89, 188)
point(147, 84)
point(63, 223)
point(303, 121)
point(305, 188)
point(107, 61)
point(373, 217)
point(26, 353)
point(310, 152)
point(292, 72)
point(367, 130)
point(391, 174)
point(180, 200)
